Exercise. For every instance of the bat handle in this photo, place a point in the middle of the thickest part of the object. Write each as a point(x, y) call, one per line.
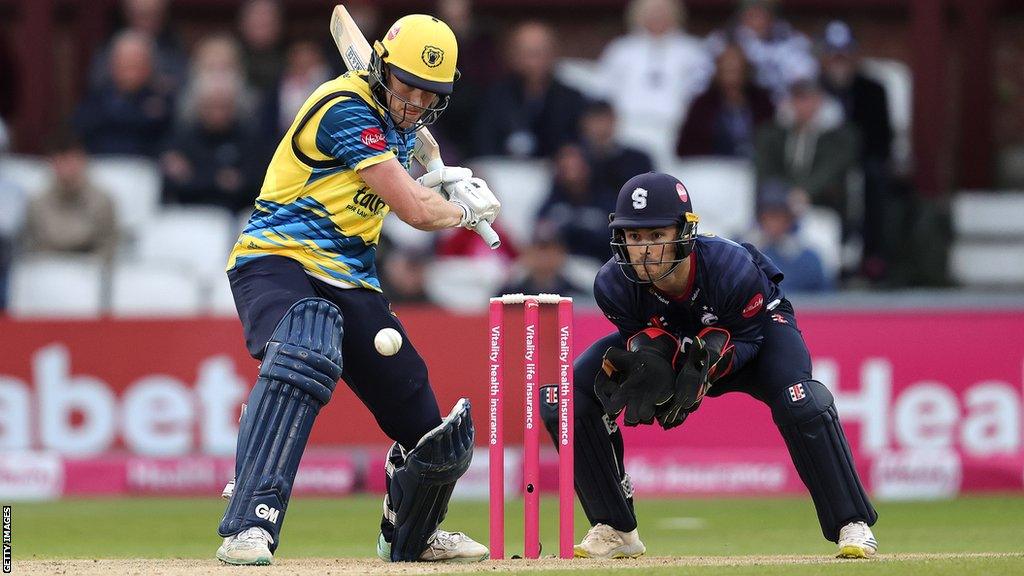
point(483, 228)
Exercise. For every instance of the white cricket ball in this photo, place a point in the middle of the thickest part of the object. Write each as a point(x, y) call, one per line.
point(388, 341)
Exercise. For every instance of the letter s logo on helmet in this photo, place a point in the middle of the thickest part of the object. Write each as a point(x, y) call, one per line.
point(639, 199)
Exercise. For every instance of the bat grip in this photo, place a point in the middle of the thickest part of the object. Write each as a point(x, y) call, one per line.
point(483, 228)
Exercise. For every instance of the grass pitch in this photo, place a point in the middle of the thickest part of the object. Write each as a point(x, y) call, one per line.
point(967, 536)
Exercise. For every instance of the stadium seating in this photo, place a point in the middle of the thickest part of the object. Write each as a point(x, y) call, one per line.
point(30, 173)
point(134, 185)
point(196, 239)
point(521, 186)
point(219, 300)
point(582, 74)
point(151, 290)
point(821, 229)
point(56, 286)
point(989, 245)
point(464, 285)
point(723, 192)
point(896, 78)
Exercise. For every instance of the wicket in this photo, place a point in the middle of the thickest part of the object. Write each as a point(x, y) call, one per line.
point(531, 439)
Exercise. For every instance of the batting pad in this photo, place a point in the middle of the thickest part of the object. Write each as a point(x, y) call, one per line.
point(807, 417)
point(420, 488)
point(300, 369)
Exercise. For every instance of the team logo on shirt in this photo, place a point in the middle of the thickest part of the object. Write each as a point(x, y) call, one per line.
point(796, 392)
point(432, 56)
point(708, 319)
point(754, 306)
point(374, 138)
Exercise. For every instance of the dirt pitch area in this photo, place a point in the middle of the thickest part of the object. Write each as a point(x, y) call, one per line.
point(372, 567)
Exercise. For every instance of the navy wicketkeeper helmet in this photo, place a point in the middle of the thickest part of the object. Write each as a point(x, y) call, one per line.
point(653, 200)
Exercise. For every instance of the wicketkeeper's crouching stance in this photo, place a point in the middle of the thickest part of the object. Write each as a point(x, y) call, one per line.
point(697, 315)
point(306, 289)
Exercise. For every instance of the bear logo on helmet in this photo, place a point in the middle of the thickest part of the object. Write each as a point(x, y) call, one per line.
point(432, 56)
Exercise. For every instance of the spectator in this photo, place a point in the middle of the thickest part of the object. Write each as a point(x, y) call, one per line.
point(724, 119)
point(128, 113)
point(477, 57)
point(776, 237)
point(148, 18)
point(811, 146)
point(576, 209)
point(866, 106)
point(529, 113)
point(651, 74)
point(71, 216)
point(611, 164)
point(217, 55)
point(779, 54)
point(305, 70)
point(216, 160)
point(13, 200)
point(403, 273)
point(543, 267)
point(261, 30)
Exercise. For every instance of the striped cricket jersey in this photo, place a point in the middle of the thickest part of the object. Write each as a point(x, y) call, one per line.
point(313, 206)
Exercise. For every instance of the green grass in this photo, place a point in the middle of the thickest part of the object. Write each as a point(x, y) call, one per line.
point(186, 528)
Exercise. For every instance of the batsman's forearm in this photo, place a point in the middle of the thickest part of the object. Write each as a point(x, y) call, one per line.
point(431, 211)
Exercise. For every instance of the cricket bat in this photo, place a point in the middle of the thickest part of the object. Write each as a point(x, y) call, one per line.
point(355, 51)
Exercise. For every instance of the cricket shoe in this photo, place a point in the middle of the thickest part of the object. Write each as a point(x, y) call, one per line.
point(603, 541)
point(856, 541)
point(442, 546)
point(250, 547)
point(228, 490)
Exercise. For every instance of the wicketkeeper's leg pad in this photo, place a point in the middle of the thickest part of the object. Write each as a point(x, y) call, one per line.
point(419, 488)
point(602, 485)
point(806, 415)
point(300, 369)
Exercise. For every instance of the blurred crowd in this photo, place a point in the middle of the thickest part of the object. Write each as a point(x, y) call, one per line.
point(793, 107)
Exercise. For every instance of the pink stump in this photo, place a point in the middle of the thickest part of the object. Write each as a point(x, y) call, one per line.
point(531, 438)
point(496, 439)
point(566, 494)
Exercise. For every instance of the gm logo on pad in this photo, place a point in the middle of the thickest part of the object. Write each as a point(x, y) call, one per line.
point(267, 512)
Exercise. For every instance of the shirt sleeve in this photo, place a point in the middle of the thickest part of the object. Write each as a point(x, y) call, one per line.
point(616, 307)
point(351, 132)
point(743, 308)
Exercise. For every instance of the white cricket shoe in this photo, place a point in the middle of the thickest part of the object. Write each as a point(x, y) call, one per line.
point(603, 541)
point(856, 541)
point(442, 546)
point(229, 490)
point(247, 548)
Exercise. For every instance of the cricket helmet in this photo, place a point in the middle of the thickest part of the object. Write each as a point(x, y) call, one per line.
point(653, 200)
point(421, 51)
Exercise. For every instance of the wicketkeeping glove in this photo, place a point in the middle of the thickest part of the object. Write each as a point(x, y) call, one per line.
point(638, 379)
point(708, 358)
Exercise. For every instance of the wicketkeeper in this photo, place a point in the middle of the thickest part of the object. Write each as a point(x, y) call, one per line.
point(306, 289)
point(697, 316)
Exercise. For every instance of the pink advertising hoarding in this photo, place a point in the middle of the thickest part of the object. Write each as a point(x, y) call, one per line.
point(931, 403)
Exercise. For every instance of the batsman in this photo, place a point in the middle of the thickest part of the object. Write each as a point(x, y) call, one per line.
point(306, 289)
point(697, 316)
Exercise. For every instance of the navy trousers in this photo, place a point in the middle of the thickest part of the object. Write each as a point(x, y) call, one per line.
point(395, 388)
